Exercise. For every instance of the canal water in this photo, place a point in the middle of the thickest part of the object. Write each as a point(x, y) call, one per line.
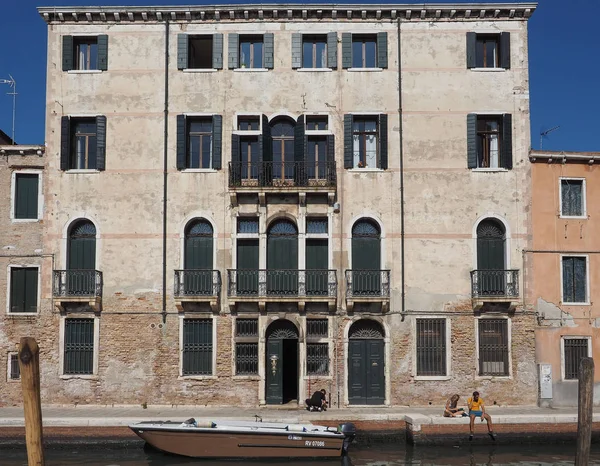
point(376, 455)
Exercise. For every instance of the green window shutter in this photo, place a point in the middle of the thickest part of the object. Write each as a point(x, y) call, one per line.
point(296, 50)
point(217, 60)
point(332, 50)
point(65, 142)
point(235, 171)
point(383, 141)
point(506, 156)
point(299, 136)
point(101, 142)
point(31, 289)
point(233, 58)
point(331, 150)
point(505, 50)
point(181, 142)
point(103, 52)
point(217, 139)
point(348, 149)
point(471, 50)
point(67, 53)
point(269, 50)
point(26, 196)
point(346, 50)
point(17, 290)
point(382, 50)
point(472, 140)
point(182, 51)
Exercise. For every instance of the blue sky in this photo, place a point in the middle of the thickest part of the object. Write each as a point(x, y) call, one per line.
point(564, 69)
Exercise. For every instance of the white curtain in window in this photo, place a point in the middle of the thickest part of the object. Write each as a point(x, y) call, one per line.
point(494, 149)
point(371, 156)
point(356, 149)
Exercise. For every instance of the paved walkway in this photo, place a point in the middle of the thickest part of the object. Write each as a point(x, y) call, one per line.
point(112, 416)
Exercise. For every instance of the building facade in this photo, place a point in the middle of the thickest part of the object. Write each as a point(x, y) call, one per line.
point(564, 259)
point(246, 204)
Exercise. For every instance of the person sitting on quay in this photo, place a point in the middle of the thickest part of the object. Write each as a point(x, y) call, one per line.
point(317, 402)
point(452, 409)
point(477, 409)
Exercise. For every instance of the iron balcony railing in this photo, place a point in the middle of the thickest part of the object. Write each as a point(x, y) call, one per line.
point(495, 283)
point(77, 283)
point(367, 283)
point(282, 283)
point(197, 282)
point(282, 174)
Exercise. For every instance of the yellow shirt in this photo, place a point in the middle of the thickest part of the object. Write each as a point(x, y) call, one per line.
point(475, 405)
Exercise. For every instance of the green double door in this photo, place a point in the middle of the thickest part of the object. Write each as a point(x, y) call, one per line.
point(198, 264)
point(317, 259)
point(81, 264)
point(282, 264)
point(366, 372)
point(282, 363)
point(491, 260)
point(366, 265)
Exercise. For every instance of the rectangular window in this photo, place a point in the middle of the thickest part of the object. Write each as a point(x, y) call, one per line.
point(200, 52)
point(574, 349)
point(247, 225)
point(316, 123)
point(488, 142)
point(246, 347)
point(317, 328)
point(364, 51)
point(574, 278)
point(79, 346)
point(365, 136)
point(86, 53)
point(487, 51)
point(431, 347)
point(317, 225)
point(493, 347)
point(317, 352)
point(251, 52)
point(572, 198)
point(197, 346)
point(314, 51)
point(84, 143)
point(248, 123)
point(199, 145)
point(23, 289)
point(14, 371)
point(26, 196)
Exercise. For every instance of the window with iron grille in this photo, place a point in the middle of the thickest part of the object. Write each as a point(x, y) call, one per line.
point(317, 328)
point(247, 225)
point(431, 347)
point(574, 350)
point(79, 346)
point(197, 346)
point(317, 358)
point(246, 346)
point(14, 369)
point(493, 347)
point(316, 225)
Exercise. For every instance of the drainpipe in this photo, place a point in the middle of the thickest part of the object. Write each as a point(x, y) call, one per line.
point(401, 153)
point(165, 168)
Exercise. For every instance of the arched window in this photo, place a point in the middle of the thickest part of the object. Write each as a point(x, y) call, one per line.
point(282, 134)
point(366, 258)
point(282, 258)
point(81, 251)
point(198, 245)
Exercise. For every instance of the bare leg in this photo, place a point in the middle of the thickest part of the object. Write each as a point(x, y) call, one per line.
point(488, 418)
point(472, 423)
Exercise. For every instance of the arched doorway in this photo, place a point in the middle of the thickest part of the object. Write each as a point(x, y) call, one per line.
point(366, 363)
point(282, 258)
point(491, 257)
point(81, 258)
point(282, 134)
point(198, 258)
point(366, 258)
point(281, 363)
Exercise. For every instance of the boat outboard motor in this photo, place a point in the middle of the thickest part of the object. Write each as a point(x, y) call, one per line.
point(349, 431)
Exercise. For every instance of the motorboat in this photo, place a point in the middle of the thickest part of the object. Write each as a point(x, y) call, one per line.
point(246, 439)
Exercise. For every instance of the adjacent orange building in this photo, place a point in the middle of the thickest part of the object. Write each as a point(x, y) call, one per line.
point(565, 264)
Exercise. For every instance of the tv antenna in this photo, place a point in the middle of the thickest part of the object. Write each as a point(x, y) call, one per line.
point(13, 84)
point(545, 133)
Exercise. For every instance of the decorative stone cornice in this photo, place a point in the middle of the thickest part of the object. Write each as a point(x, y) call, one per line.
point(563, 157)
point(22, 149)
point(283, 12)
